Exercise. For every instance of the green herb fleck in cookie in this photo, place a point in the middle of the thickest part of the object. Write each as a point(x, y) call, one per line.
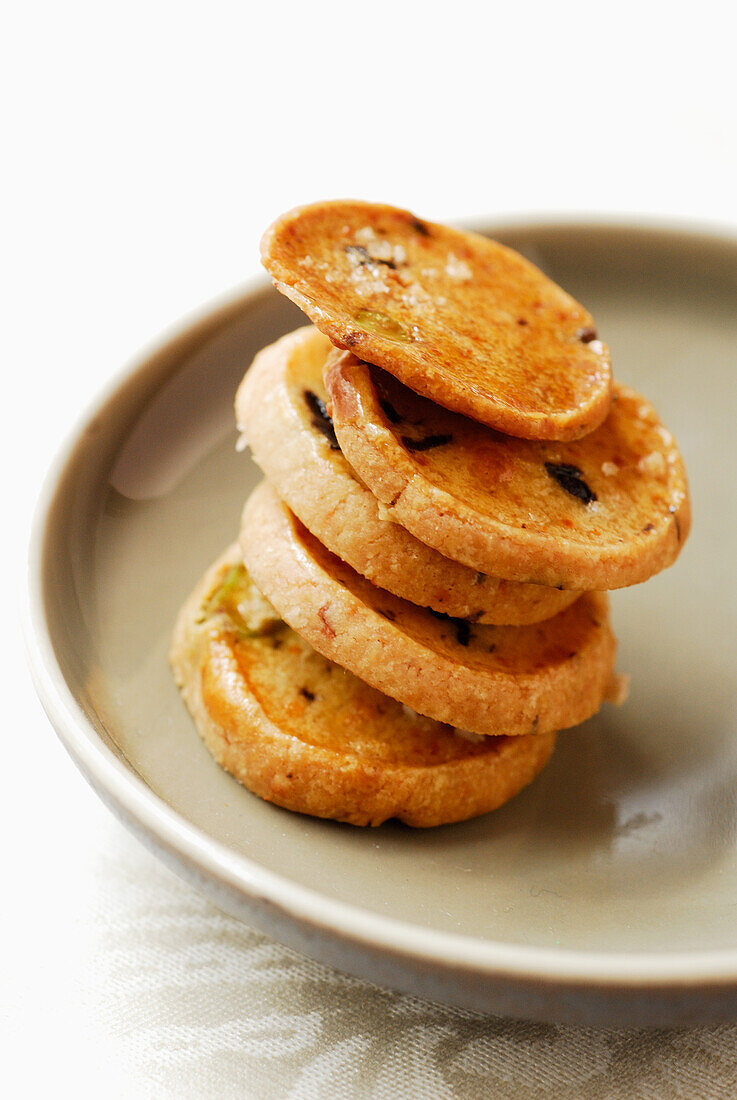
point(250, 614)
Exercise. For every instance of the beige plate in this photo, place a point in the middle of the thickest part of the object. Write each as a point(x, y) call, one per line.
point(607, 891)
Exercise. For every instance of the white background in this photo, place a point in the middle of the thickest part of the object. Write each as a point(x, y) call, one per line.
point(147, 146)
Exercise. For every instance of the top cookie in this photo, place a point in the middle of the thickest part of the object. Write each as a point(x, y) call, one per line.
point(455, 316)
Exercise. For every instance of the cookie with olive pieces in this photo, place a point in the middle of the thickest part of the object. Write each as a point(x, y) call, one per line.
point(455, 316)
point(280, 409)
point(601, 512)
point(488, 679)
point(301, 732)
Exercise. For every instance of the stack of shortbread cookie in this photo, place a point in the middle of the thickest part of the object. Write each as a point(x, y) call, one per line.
point(416, 603)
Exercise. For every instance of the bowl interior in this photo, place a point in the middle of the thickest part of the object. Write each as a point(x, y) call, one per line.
point(626, 842)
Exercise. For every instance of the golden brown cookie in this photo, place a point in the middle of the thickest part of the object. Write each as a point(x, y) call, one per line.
point(601, 512)
point(488, 679)
point(305, 734)
point(455, 316)
point(280, 408)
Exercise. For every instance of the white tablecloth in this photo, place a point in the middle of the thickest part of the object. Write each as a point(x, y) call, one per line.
point(204, 1007)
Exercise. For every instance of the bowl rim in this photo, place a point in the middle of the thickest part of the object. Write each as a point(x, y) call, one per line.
point(647, 970)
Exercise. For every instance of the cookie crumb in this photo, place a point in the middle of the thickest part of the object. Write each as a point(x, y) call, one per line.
point(618, 689)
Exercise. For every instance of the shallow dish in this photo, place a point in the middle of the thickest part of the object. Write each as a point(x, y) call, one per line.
point(606, 893)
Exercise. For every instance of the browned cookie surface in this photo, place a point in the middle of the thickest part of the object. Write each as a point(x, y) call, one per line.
point(280, 409)
point(488, 679)
point(601, 512)
point(303, 733)
point(455, 316)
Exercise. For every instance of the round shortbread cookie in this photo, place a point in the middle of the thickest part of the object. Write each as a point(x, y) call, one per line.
point(488, 679)
point(301, 732)
point(601, 512)
point(280, 409)
point(455, 316)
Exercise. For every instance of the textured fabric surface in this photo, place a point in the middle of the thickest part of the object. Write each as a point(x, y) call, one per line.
point(196, 1005)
